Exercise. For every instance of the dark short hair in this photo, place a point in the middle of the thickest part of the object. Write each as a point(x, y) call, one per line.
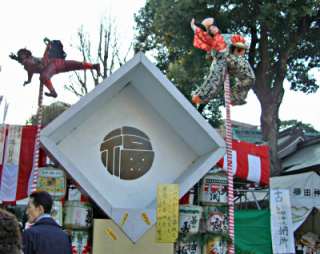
point(42, 198)
point(233, 48)
point(10, 237)
point(23, 52)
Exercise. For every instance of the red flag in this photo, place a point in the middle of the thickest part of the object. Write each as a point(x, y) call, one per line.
point(249, 162)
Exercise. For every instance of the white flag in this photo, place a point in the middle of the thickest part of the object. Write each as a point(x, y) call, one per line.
point(281, 222)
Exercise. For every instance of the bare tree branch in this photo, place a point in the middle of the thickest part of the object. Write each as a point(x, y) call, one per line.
point(107, 54)
point(72, 89)
point(127, 54)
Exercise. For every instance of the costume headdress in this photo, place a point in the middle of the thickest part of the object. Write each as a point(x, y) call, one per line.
point(238, 41)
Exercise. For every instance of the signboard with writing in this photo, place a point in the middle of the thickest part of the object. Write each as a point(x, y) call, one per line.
point(191, 247)
point(167, 213)
point(281, 222)
point(214, 188)
point(304, 188)
point(52, 180)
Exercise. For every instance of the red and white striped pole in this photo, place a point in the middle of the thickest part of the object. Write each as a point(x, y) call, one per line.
point(229, 160)
point(37, 141)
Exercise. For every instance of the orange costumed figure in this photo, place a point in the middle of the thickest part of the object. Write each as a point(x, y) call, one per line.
point(227, 53)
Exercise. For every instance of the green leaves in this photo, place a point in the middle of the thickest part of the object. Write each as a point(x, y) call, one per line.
point(289, 41)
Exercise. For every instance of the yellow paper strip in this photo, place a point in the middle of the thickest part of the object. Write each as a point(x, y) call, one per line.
point(124, 219)
point(112, 235)
point(146, 218)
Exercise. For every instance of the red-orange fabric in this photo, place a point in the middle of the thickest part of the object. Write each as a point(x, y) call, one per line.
point(204, 41)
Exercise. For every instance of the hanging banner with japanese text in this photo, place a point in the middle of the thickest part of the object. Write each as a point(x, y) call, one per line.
point(167, 213)
point(281, 222)
point(16, 157)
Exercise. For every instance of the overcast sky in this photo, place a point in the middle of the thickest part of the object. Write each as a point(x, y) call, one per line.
point(26, 23)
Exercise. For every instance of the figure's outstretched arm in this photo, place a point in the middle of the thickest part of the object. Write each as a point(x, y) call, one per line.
point(193, 24)
point(30, 74)
point(14, 57)
point(46, 40)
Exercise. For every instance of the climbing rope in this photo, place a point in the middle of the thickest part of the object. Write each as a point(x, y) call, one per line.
point(35, 164)
point(229, 160)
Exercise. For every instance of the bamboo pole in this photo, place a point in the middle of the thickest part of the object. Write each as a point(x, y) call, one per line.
point(228, 127)
point(35, 166)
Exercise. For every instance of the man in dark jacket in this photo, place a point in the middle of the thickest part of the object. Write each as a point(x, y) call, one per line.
point(45, 236)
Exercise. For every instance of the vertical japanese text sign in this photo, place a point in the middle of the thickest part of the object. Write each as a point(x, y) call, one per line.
point(281, 222)
point(167, 213)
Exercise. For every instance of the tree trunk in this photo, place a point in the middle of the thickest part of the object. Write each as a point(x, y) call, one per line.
point(269, 126)
point(269, 90)
point(270, 100)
